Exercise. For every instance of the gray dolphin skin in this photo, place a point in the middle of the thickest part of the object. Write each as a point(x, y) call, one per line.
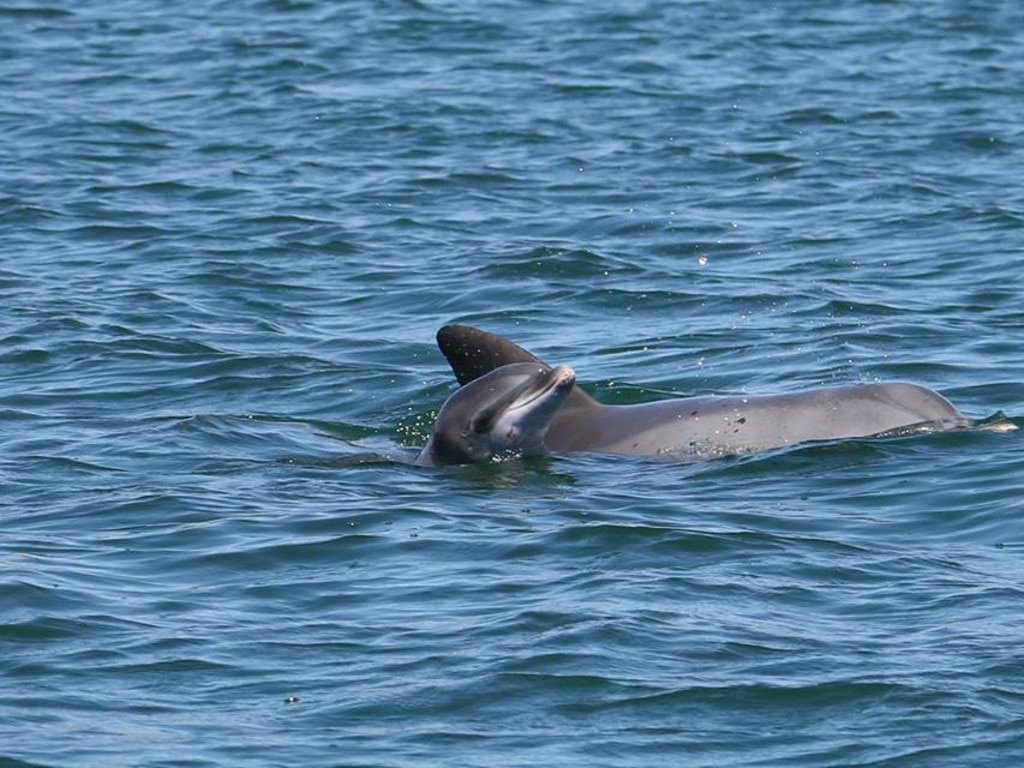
point(512, 401)
point(507, 410)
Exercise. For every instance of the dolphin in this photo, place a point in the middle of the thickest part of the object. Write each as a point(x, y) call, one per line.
point(510, 400)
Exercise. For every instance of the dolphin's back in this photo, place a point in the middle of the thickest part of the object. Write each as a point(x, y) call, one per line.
point(707, 426)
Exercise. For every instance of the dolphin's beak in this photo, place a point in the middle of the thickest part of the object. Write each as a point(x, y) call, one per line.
point(560, 377)
point(551, 384)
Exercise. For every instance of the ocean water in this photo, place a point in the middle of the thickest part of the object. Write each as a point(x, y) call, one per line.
point(228, 234)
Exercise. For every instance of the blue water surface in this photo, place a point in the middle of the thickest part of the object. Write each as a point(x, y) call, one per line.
point(228, 234)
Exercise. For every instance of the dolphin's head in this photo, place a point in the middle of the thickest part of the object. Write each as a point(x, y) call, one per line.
point(505, 411)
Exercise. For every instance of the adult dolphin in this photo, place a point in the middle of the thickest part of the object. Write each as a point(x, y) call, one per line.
point(697, 427)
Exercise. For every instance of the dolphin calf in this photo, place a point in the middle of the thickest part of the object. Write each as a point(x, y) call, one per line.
point(505, 411)
point(511, 401)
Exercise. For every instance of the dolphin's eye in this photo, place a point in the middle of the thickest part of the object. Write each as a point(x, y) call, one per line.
point(483, 422)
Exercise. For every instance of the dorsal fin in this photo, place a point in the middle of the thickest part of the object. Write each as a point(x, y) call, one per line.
point(472, 352)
